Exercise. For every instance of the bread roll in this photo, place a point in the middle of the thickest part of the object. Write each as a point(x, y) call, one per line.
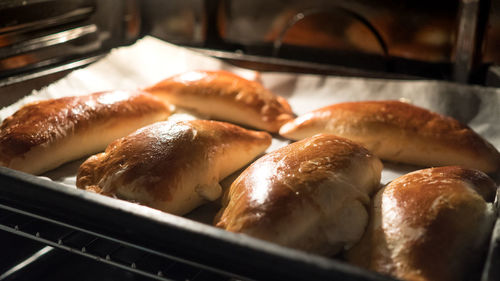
point(399, 132)
point(43, 135)
point(225, 96)
point(311, 195)
point(173, 167)
point(428, 225)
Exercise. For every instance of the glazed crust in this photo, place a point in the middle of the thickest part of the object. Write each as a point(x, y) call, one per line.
point(311, 195)
point(171, 166)
point(225, 96)
point(400, 132)
point(431, 224)
point(38, 137)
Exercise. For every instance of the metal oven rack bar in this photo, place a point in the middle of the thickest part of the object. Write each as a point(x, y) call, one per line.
point(112, 252)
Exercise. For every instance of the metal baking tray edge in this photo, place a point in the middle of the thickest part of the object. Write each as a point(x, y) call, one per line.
point(172, 236)
point(491, 270)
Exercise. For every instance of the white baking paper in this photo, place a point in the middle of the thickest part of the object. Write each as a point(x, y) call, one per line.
point(151, 60)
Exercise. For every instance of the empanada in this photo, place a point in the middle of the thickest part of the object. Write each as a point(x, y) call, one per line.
point(399, 132)
point(225, 96)
point(311, 195)
point(172, 166)
point(45, 134)
point(429, 225)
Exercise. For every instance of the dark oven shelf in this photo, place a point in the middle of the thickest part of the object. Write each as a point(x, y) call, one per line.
point(105, 250)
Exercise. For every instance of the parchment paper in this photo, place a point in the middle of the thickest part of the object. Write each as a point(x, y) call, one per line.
point(151, 60)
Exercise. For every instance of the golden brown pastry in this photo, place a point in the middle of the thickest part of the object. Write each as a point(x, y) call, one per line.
point(170, 166)
point(399, 132)
point(429, 225)
point(43, 135)
point(311, 195)
point(225, 96)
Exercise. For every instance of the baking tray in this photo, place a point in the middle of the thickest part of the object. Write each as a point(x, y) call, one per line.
point(170, 238)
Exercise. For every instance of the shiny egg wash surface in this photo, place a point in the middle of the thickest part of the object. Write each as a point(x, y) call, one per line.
point(301, 195)
point(46, 119)
point(429, 225)
point(225, 96)
point(400, 132)
point(42, 135)
point(172, 166)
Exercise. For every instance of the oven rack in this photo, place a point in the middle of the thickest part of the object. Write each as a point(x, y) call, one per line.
point(112, 252)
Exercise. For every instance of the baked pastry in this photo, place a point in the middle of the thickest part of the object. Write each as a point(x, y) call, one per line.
point(172, 166)
point(399, 132)
point(42, 135)
point(225, 96)
point(428, 225)
point(311, 195)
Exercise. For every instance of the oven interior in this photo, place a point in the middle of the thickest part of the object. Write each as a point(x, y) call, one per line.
point(42, 41)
